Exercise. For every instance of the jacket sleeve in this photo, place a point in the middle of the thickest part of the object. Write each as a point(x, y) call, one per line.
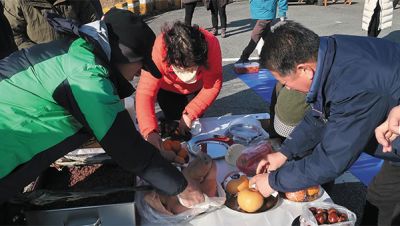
point(13, 10)
point(146, 94)
point(127, 147)
point(282, 8)
point(147, 89)
point(349, 128)
point(304, 137)
point(212, 82)
point(104, 115)
point(87, 12)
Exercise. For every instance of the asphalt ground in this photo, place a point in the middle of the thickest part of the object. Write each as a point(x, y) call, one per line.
point(237, 98)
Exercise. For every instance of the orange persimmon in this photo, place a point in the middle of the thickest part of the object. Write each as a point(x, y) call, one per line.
point(176, 145)
point(167, 145)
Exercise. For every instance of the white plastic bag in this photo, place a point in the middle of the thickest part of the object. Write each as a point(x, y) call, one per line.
point(196, 127)
point(307, 217)
point(246, 131)
point(153, 216)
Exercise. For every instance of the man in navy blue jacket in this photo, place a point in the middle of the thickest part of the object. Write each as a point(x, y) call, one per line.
point(351, 84)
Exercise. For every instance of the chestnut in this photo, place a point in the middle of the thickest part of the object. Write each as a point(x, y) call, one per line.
point(313, 210)
point(331, 210)
point(333, 217)
point(321, 218)
point(320, 210)
point(343, 217)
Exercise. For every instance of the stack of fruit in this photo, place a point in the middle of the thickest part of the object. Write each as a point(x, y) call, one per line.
point(305, 195)
point(181, 153)
point(328, 216)
point(241, 197)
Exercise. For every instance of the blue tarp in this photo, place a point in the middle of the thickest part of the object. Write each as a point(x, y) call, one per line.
point(262, 83)
point(365, 168)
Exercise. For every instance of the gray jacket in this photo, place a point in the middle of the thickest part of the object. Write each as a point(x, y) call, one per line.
point(29, 24)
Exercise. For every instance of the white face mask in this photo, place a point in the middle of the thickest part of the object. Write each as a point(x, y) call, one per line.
point(187, 76)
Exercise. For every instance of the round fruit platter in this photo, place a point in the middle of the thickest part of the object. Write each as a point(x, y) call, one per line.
point(241, 198)
point(268, 203)
point(306, 195)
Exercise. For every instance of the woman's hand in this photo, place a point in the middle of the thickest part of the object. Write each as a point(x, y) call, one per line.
point(155, 139)
point(185, 124)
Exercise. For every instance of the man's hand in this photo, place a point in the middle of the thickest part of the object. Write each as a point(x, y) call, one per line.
point(271, 162)
point(383, 136)
point(185, 124)
point(260, 183)
point(394, 120)
point(389, 130)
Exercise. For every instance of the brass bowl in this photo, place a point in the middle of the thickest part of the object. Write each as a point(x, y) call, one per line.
point(269, 203)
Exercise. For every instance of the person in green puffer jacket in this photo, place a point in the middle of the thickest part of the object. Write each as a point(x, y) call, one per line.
point(57, 95)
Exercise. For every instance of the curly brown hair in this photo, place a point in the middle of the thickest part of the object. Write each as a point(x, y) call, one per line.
point(186, 45)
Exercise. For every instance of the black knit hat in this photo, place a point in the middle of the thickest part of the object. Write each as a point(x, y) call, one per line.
point(135, 39)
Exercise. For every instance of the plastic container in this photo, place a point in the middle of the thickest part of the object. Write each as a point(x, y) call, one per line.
point(246, 68)
point(246, 131)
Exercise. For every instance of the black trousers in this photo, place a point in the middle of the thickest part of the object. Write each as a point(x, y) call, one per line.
point(215, 9)
point(189, 10)
point(373, 28)
point(258, 29)
point(384, 193)
point(172, 104)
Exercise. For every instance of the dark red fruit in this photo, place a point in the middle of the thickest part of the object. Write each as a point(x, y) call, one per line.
point(333, 217)
point(343, 217)
point(321, 218)
point(320, 210)
point(331, 210)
